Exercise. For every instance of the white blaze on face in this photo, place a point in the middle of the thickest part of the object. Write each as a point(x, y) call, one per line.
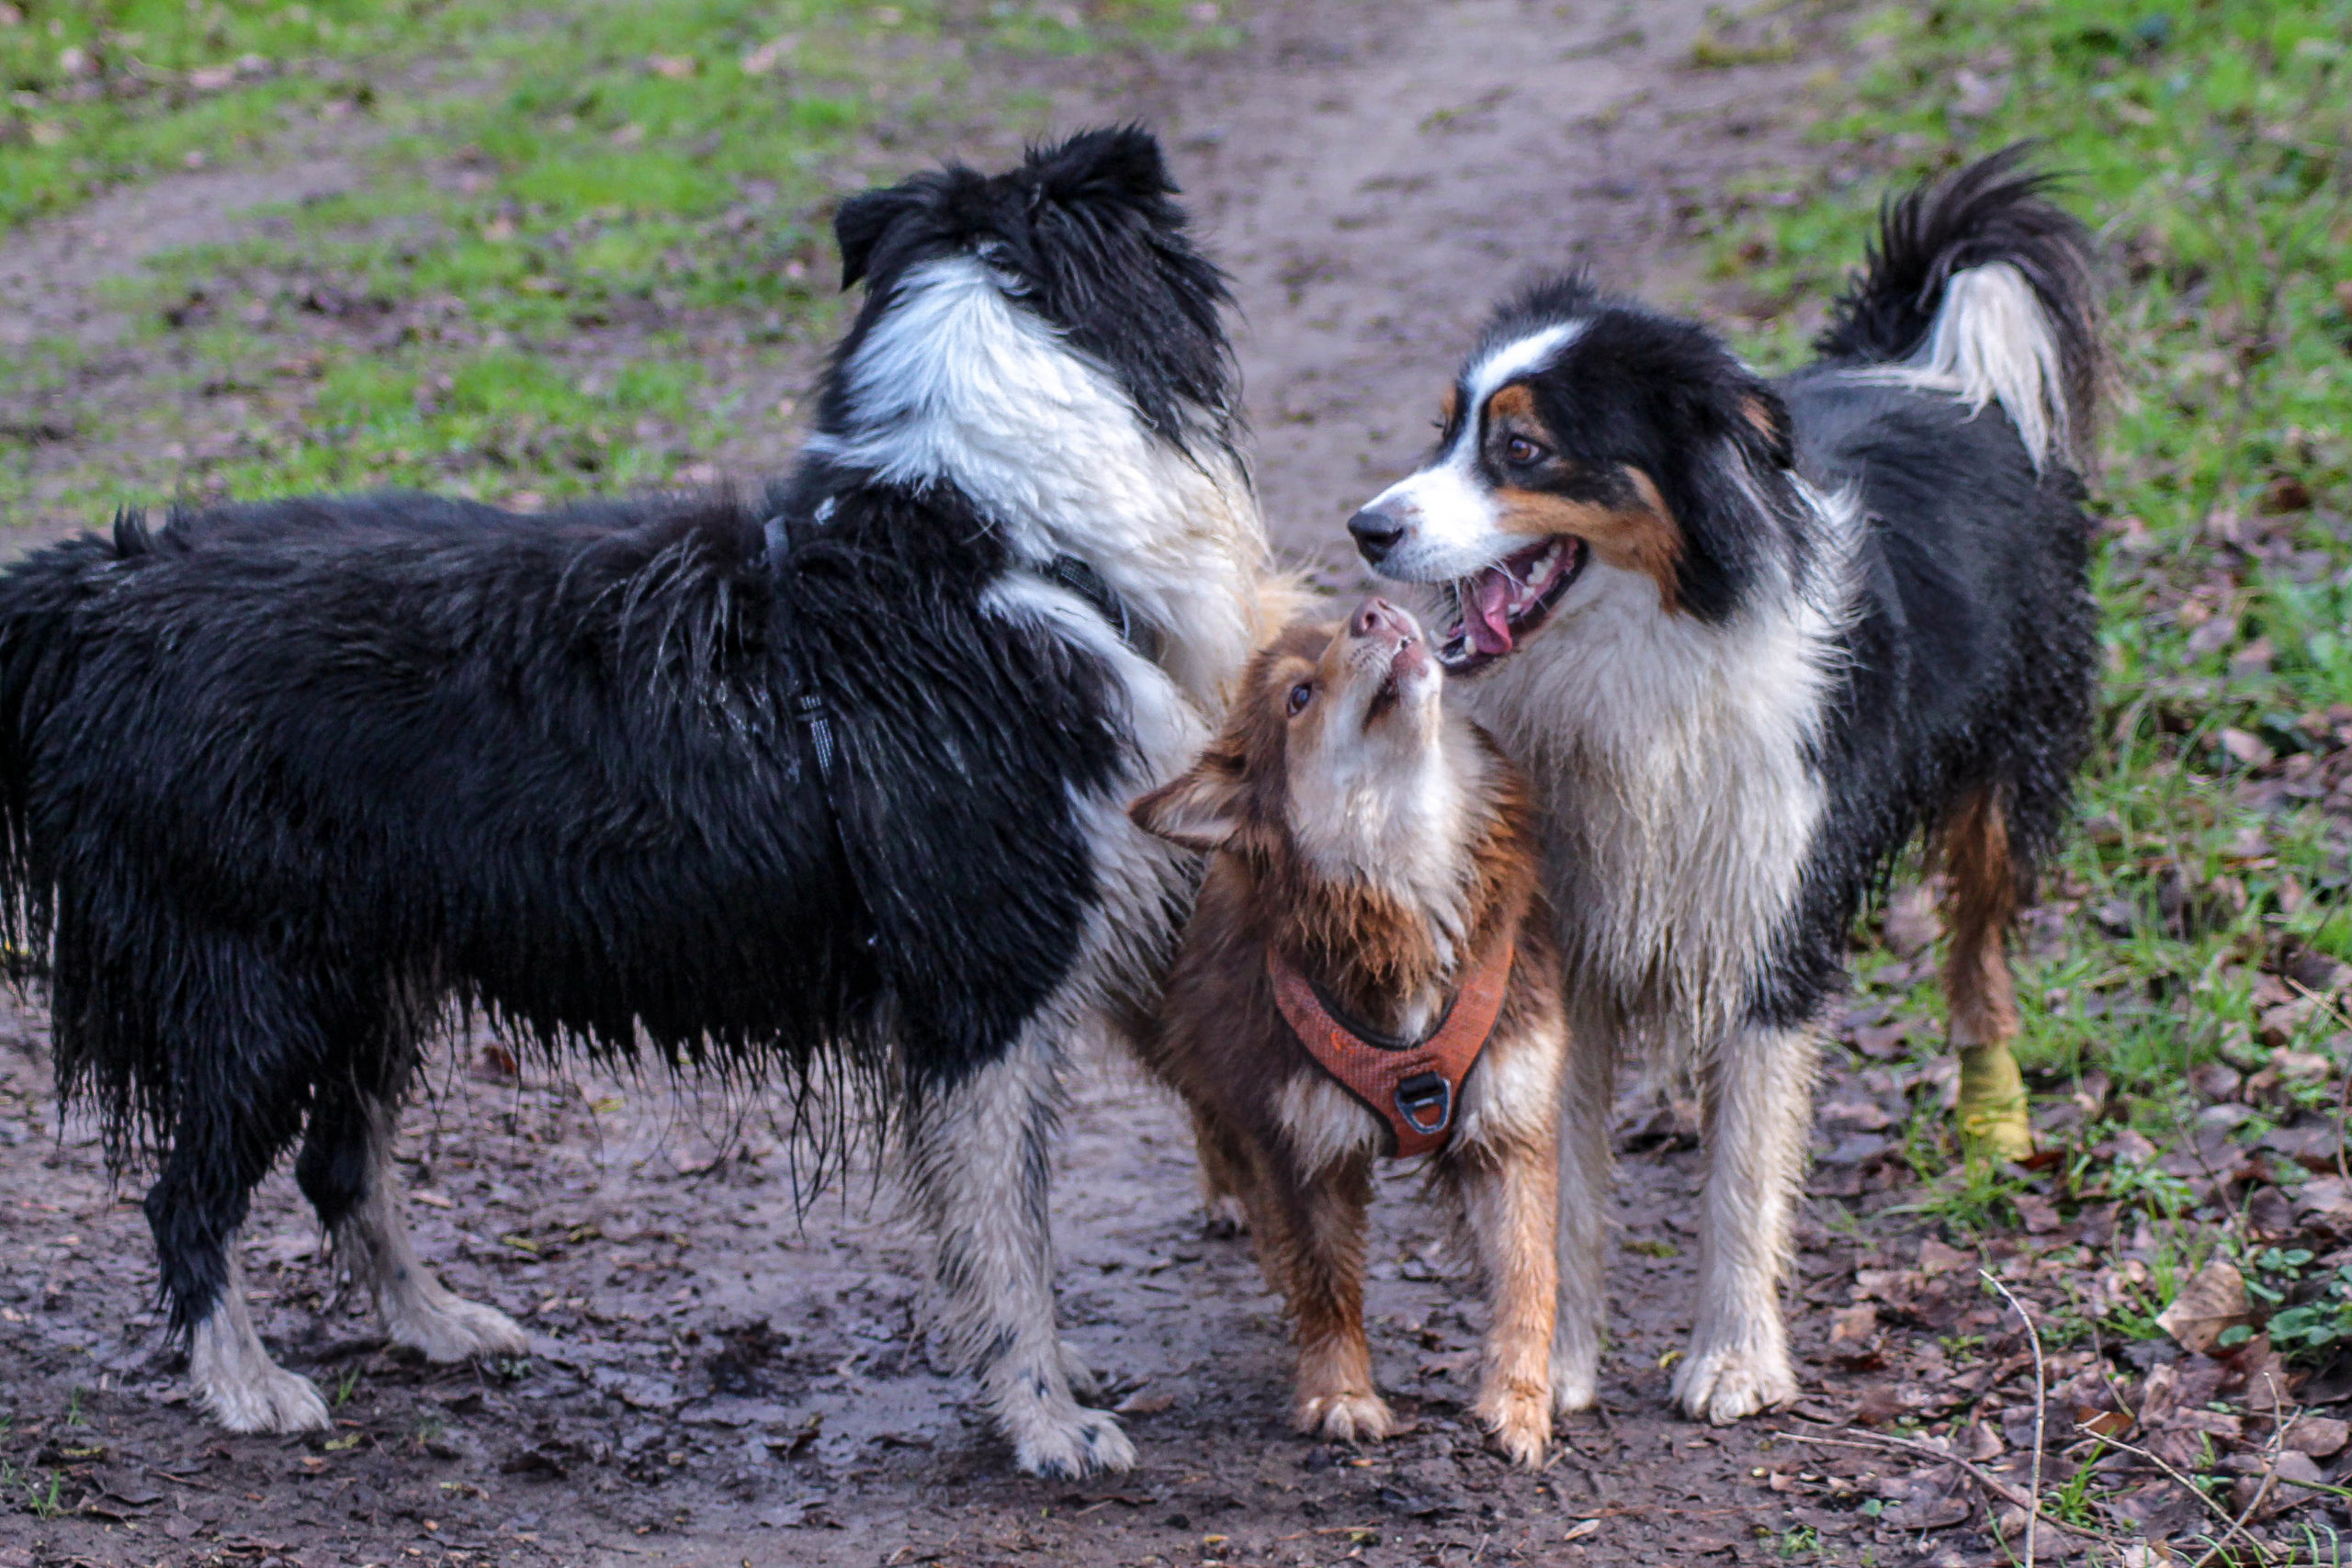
point(1451, 524)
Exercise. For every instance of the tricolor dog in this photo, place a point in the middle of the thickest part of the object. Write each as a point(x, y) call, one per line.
point(1750, 639)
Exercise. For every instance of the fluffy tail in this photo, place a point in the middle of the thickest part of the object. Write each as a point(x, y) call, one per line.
point(1980, 287)
point(39, 649)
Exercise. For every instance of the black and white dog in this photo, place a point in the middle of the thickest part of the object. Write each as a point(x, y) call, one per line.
point(833, 780)
point(1750, 638)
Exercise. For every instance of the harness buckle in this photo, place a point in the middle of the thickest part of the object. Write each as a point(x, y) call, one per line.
point(1426, 1102)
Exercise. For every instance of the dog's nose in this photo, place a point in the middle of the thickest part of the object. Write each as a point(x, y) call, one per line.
point(1376, 533)
point(1376, 614)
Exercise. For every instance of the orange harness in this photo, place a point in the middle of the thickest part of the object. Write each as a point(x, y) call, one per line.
point(1414, 1088)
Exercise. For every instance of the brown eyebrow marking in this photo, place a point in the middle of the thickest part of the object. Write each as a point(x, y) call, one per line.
point(1517, 402)
point(1449, 405)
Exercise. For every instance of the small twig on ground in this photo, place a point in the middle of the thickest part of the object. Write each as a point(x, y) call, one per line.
point(2278, 1424)
point(2194, 1490)
point(2040, 1408)
point(1983, 1477)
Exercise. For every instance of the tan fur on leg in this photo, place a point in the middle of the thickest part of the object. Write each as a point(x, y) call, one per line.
point(1224, 1170)
point(1310, 1239)
point(1978, 986)
point(1510, 1204)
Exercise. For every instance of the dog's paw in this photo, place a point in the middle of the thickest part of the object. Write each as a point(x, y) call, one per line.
point(1083, 1383)
point(1520, 1420)
point(266, 1398)
point(1224, 1216)
point(1087, 1443)
point(1723, 1385)
point(1357, 1417)
point(1576, 1383)
point(450, 1329)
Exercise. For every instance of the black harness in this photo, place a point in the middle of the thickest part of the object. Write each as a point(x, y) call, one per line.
point(809, 701)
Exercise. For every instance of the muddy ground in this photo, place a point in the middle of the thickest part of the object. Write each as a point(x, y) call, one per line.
point(718, 1378)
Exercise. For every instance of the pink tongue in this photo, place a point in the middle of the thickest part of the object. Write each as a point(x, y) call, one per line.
point(1488, 622)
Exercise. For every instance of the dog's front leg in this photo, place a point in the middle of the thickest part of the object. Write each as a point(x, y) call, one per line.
point(1585, 1160)
point(1310, 1238)
point(979, 1164)
point(1510, 1203)
point(1758, 1090)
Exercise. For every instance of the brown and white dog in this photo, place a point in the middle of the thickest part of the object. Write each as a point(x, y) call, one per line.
point(1370, 970)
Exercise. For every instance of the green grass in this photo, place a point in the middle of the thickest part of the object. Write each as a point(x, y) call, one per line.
point(103, 93)
point(2207, 145)
point(585, 229)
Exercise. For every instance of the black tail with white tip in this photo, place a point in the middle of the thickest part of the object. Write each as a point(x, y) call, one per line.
point(1982, 286)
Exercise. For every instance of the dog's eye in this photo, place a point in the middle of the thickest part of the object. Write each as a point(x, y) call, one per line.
point(1300, 695)
point(1520, 450)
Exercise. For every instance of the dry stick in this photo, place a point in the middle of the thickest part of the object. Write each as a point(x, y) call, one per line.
point(2193, 1489)
point(2041, 1409)
point(2269, 1479)
point(1983, 1477)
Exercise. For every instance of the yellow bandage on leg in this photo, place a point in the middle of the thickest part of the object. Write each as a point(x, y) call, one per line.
point(1992, 1103)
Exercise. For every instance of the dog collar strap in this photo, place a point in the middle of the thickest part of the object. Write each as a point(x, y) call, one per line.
point(1081, 578)
point(1415, 1089)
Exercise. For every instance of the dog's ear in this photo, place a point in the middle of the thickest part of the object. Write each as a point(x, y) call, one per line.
point(1199, 808)
point(862, 221)
point(1120, 161)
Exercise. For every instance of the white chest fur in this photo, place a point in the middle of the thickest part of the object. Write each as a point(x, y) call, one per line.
point(1671, 758)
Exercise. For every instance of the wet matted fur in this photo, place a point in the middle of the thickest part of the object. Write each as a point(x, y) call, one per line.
point(1751, 639)
point(726, 781)
point(1383, 847)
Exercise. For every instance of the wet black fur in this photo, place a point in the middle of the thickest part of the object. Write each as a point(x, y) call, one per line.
point(282, 783)
point(1974, 663)
point(1991, 210)
point(1974, 660)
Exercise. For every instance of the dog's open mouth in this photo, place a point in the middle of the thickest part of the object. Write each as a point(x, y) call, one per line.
point(1506, 601)
point(1410, 659)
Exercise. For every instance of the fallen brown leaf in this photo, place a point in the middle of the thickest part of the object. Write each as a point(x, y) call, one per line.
point(2210, 1302)
point(1935, 1257)
point(2318, 1436)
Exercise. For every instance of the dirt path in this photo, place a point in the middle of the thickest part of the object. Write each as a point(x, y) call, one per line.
point(1388, 172)
point(715, 1381)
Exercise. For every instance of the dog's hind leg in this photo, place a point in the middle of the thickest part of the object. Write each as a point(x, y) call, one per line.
point(1978, 987)
point(241, 1051)
point(1585, 1161)
point(979, 1161)
point(1223, 1179)
point(1757, 1098)
point(234, 1379)
point(345, 1170)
